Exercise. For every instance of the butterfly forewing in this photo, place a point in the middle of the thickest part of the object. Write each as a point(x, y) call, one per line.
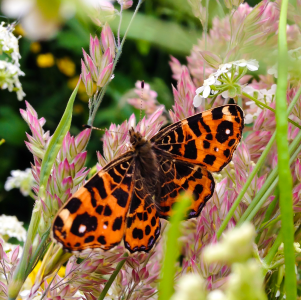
point(207, 139)
point(95, 216)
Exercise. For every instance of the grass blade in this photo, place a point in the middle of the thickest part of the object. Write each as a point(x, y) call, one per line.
point(171, 253)
point(285, 177)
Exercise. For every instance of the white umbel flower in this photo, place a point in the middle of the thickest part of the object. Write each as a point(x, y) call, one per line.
point(9, 43)
point(10, 226)
point(22, 180)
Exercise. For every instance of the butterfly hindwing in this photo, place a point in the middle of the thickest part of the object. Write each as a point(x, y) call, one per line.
point(179, 177)
point(207, 139)
point(95, 216)
point(143, 223)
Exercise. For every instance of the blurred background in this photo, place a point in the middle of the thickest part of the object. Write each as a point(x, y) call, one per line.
point(52, 68)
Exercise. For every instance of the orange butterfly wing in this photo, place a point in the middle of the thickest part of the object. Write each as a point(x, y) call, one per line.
point(207, 139)
point(179, 177)
point(95, 216)
point(143, 223)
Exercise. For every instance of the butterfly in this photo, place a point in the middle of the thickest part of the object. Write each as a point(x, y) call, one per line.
point(126, 199)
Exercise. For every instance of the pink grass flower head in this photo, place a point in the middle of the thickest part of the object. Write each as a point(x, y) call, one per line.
point(99, 63)
point(146, 99)
point(183, 95)
point(68, 172)
point(126, 4)
point(116, 139)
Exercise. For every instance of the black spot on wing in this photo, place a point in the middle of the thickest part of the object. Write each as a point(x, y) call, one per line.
point(206, 127)
point(206, 144)
point(99, 209)
point(140, 216)
point(116, 177)
point(107, 211)
point(117, 224)
point(231, 142)
point(136, 202)
point(73, 205)
point(209, 137)
point(182, 170)
point(209, 159)
point(147, 230)
point(98, 183)
point(194, 125)
point(191, 151)
point(101, 239)
point(198, 189)
point(121, 196)
point(89, 239)
point(153, 221)
point(227, 153)
point(232, 110)
point(179, 132)
point(217, 113)
point(77, 245)
point(221, 134)
point(145, 216)
point(90, 222)
point(137, 234)
point(58, 223)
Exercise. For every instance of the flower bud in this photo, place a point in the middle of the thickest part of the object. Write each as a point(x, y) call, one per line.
point(107, 39)
point(105, 75)
point(95, 50)
point(236, 245)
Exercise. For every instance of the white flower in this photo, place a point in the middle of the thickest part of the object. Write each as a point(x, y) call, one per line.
point(251, 64)
point(190, 287)
point(20, 179)
point(273, 71)
point(236, 245)
point(9, 43)
point(11, 227)
point(198, 100)
point(216, 295)
point(9, 78)
point(249, 118)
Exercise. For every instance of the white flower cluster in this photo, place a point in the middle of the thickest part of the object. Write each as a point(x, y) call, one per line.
point(10, 226)
point(20, 179)
point(264, 95)
point(204, 91)
point(10, 70)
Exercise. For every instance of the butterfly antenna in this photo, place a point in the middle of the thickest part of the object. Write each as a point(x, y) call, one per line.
point(141, 97)
point(100, 129)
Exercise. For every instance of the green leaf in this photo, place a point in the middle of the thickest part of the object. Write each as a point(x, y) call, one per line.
point(172, 252)
point(56, 142)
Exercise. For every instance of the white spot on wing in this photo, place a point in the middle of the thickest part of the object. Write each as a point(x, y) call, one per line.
point(228, 131)
point(82, 228)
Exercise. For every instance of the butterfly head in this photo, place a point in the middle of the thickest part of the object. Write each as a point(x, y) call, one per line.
point(136, 138)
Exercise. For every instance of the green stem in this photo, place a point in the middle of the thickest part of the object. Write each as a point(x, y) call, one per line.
point(38, 253)
point(171, 252)
point(20, 273)
point(259, 103)
point(254, 172)
point(285, 176)
point(272, 252)
point(112, 278)
point(270, 184)
point(99, 98)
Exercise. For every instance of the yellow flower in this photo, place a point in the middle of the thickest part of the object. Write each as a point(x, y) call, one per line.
point(66, 66)
point(35, 47)
point(45, 60)
point(19, 30)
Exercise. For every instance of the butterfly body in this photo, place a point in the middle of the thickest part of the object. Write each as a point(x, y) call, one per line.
point(127, 198)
